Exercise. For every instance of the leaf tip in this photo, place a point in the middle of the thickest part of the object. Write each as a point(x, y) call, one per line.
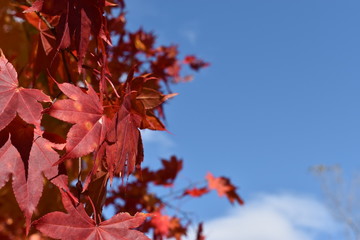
point(110, 4)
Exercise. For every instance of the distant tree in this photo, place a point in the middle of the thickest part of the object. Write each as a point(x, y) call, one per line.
point(342, 196)
point(76, 87)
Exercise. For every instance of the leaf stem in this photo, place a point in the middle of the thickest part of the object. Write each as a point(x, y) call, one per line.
point(67, 70)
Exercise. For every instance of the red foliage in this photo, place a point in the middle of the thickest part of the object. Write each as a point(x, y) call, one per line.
point(76, 224)
point(17, 100)
point(85, 111)
point(196, 192)
point(224, 187)
point(74, 115)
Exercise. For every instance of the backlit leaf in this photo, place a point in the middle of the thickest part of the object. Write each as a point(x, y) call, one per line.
point(17, 100)
point(77, 225)
point(86, 113)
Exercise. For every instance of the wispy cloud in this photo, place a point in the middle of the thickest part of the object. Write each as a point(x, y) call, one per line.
point(190, 35)
point(274, 217)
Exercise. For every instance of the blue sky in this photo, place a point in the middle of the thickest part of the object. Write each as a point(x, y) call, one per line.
point(281, 95)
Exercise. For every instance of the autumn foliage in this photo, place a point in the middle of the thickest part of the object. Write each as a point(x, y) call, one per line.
point(76, 88)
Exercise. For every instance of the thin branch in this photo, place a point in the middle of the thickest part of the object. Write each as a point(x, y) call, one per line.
point(185, 214)
point(175, 193)
point(48, 24)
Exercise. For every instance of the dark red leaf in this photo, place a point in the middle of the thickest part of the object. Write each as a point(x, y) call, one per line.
point(199, 233)
point(123, 155)
point(28, 183)
point(196, 192)
point(167, 175)
point(195, 63)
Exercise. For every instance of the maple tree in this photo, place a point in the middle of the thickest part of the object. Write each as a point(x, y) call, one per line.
point(72, 104)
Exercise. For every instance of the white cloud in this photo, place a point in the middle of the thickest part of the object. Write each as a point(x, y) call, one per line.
point(274, 217)
point(157, 137)
point(157, 144)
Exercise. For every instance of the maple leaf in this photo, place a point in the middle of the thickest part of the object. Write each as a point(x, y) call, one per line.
point(46, 56)
point(17, 100)
point(167, 175)
point(161, 223)
point(166, 226)
point(177, 230)
point(224, 187)
point(164, 176)
point(41, 159)
point(85, 111)
point(11, 164)
point(152, 98)
point(38, 159)
point(195, 63)
point(196, 192)
point(77, 225)
point(127, 148)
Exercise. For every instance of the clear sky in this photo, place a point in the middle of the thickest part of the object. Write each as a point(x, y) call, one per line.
point(281, 95)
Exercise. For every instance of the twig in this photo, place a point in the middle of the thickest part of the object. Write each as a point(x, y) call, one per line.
point(182, 190)
point(179, 210)
point(51, 27)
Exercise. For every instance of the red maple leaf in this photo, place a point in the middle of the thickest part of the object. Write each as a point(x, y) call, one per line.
point(28, 185)
point(11, 164)
point(46, 54)
point(77, 225)
point(86, 112)
point(125, 149)
point(224, 187)
point(195, 63)
point(152, 98)
point(196, 192)
point(161, 223)
point(167, 175)
point(126, 152)
point(166, 226)
point(17, 100)
point(41, 160)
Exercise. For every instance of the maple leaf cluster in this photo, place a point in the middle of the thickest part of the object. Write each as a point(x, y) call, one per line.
point(138, 196)
point(70, 121)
